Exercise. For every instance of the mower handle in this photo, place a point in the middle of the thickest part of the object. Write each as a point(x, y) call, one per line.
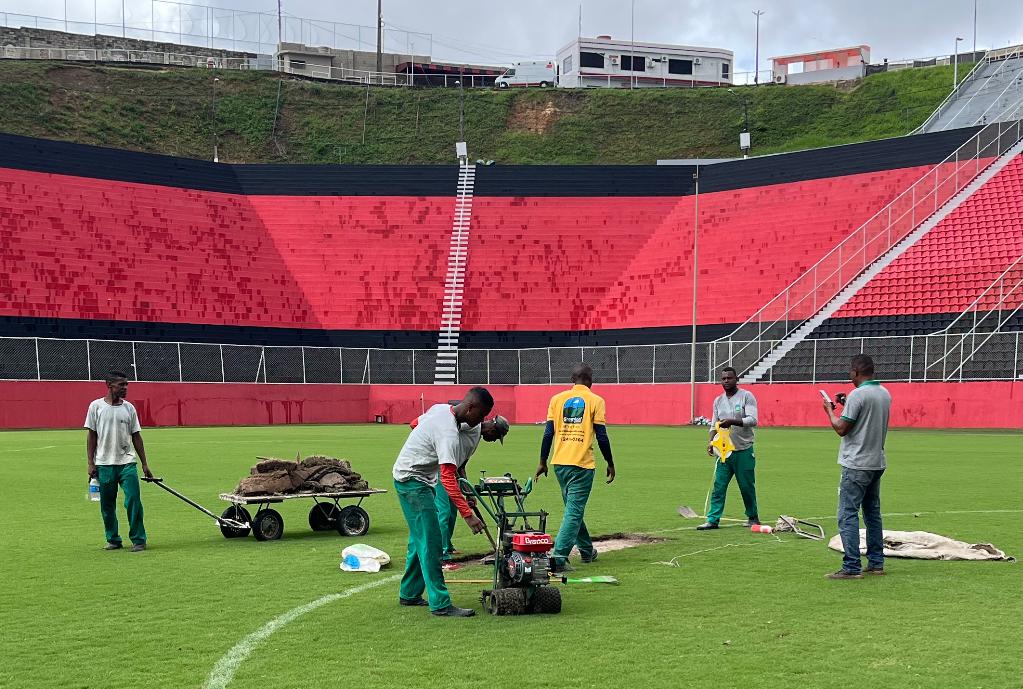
point(466, 486)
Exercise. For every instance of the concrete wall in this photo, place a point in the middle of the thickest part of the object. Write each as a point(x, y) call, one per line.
point(54, 404)
point(823, 76)
point(44, 38)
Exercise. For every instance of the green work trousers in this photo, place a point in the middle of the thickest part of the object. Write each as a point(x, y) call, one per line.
point(126, 476)
point(422, 562)
point(742, 464)
point(447, 515)
point(576, 484)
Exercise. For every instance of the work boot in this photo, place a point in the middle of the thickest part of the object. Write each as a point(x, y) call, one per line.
point(844, 574)
point(876, 571)
point(413, 602)
point(752, 522)
point(138, 547)
point(706, 526)
point(591, 558)
point(561, 567)
point(452, 611)
point(112, 546)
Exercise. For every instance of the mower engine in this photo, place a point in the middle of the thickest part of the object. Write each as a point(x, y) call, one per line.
point(529, 562)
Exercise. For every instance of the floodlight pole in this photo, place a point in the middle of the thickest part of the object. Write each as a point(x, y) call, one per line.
point(696, 263)
point(216, 137)
point(974, 30)
point(955, 68)
point(756, 59)
point(380, 39)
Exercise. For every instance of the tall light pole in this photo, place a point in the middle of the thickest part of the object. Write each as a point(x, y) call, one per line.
point(632, 51)
point(380, 38)
point(974, 30)
point(216, 136)
point(756, 59)
point(696, 264)
point(955, 69)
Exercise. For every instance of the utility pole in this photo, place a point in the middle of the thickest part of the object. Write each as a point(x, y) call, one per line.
point(280, 34)
point(756, 60)
point(216, 136)
point(696, 246)
point(632, 53)
point(974, 30)
point(380, 37)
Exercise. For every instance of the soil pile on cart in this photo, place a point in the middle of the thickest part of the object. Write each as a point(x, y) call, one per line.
point(315, 474)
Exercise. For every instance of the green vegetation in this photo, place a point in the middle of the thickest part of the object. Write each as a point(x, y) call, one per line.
point(756, 615)
point(169, 111)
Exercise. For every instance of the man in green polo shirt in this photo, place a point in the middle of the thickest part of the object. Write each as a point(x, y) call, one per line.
point(863, 427)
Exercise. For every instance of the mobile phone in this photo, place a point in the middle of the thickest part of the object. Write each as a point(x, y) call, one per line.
point(826, 398)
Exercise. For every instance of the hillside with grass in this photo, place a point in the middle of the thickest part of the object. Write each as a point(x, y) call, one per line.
point(263, 118)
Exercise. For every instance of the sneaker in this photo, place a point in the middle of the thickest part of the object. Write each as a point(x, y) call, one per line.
point(452, 611)
point(876, 571)
point(112, 546)
point(845, 574)
point(138, 547)
point(412, 603)
point(451, 566)
point(706, 526)
point(591, 558)
point(752, 522)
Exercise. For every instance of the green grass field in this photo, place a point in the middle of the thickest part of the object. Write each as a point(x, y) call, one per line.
point(761, 615)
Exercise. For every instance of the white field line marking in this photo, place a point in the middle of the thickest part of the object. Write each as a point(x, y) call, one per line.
point(33, 449)
point(223, 672)
point(833, 517)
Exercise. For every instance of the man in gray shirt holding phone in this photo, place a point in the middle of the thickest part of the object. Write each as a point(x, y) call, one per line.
point(863, 427)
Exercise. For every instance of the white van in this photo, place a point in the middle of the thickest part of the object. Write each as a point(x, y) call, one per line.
point(538, 73)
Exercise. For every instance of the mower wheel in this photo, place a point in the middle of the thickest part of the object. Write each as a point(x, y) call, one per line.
point(238, 514)
point(323, 516)
point(546, 599)
point(352, 521)
point(507, 602)
point(268, 525)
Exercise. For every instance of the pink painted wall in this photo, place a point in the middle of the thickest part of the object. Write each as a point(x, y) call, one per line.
point(35, 404)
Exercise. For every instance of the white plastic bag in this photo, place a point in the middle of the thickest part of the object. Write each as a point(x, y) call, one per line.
point(360, 557)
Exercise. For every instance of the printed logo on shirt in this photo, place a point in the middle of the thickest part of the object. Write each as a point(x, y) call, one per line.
point(573, 410)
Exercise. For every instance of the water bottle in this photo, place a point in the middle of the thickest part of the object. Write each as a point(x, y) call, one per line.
point(94, 490)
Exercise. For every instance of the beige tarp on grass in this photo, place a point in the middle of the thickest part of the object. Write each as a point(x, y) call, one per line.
point(923, 545)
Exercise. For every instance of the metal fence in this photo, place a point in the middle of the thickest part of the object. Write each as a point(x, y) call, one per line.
point(939, 357)
point(216, 27)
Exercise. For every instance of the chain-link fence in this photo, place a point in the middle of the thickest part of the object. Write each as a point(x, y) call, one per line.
point(951, 356)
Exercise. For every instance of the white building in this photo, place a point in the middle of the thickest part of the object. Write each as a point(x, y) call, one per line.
point(604, 62)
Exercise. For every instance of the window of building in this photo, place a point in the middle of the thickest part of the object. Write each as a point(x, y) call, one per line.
point(633, 64)
point(595, 60)
point(566, 65)
point(724, 70)
point(297, 64)
point(680, 66)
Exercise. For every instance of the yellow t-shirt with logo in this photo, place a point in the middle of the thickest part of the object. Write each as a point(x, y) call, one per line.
point(574, 413)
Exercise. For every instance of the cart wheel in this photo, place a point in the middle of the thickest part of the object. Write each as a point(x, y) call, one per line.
point(323, 516)
point(238, 514)
point(546, 599)
point(268, 525)
point(353, 521)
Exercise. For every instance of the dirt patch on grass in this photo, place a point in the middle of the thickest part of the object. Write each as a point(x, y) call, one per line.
point(621, 541)
point(535, 118)
point(70, 77)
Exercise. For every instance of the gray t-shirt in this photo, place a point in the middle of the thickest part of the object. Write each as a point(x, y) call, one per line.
point(114, 425)
point(434, 441)
point(740, 405)
point(867, 409)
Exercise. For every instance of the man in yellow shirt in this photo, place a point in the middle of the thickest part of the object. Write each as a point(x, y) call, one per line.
point(574, 418)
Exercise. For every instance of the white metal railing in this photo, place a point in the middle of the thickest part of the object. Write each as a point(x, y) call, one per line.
point(822, 281)
point(911, 358)
point(983, 318)
point(946, 103)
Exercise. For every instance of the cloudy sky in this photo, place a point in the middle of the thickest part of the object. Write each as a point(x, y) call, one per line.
point(484, 31)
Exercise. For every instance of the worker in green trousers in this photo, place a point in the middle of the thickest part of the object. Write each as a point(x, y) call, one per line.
point(736, 410)
point(430, 453)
